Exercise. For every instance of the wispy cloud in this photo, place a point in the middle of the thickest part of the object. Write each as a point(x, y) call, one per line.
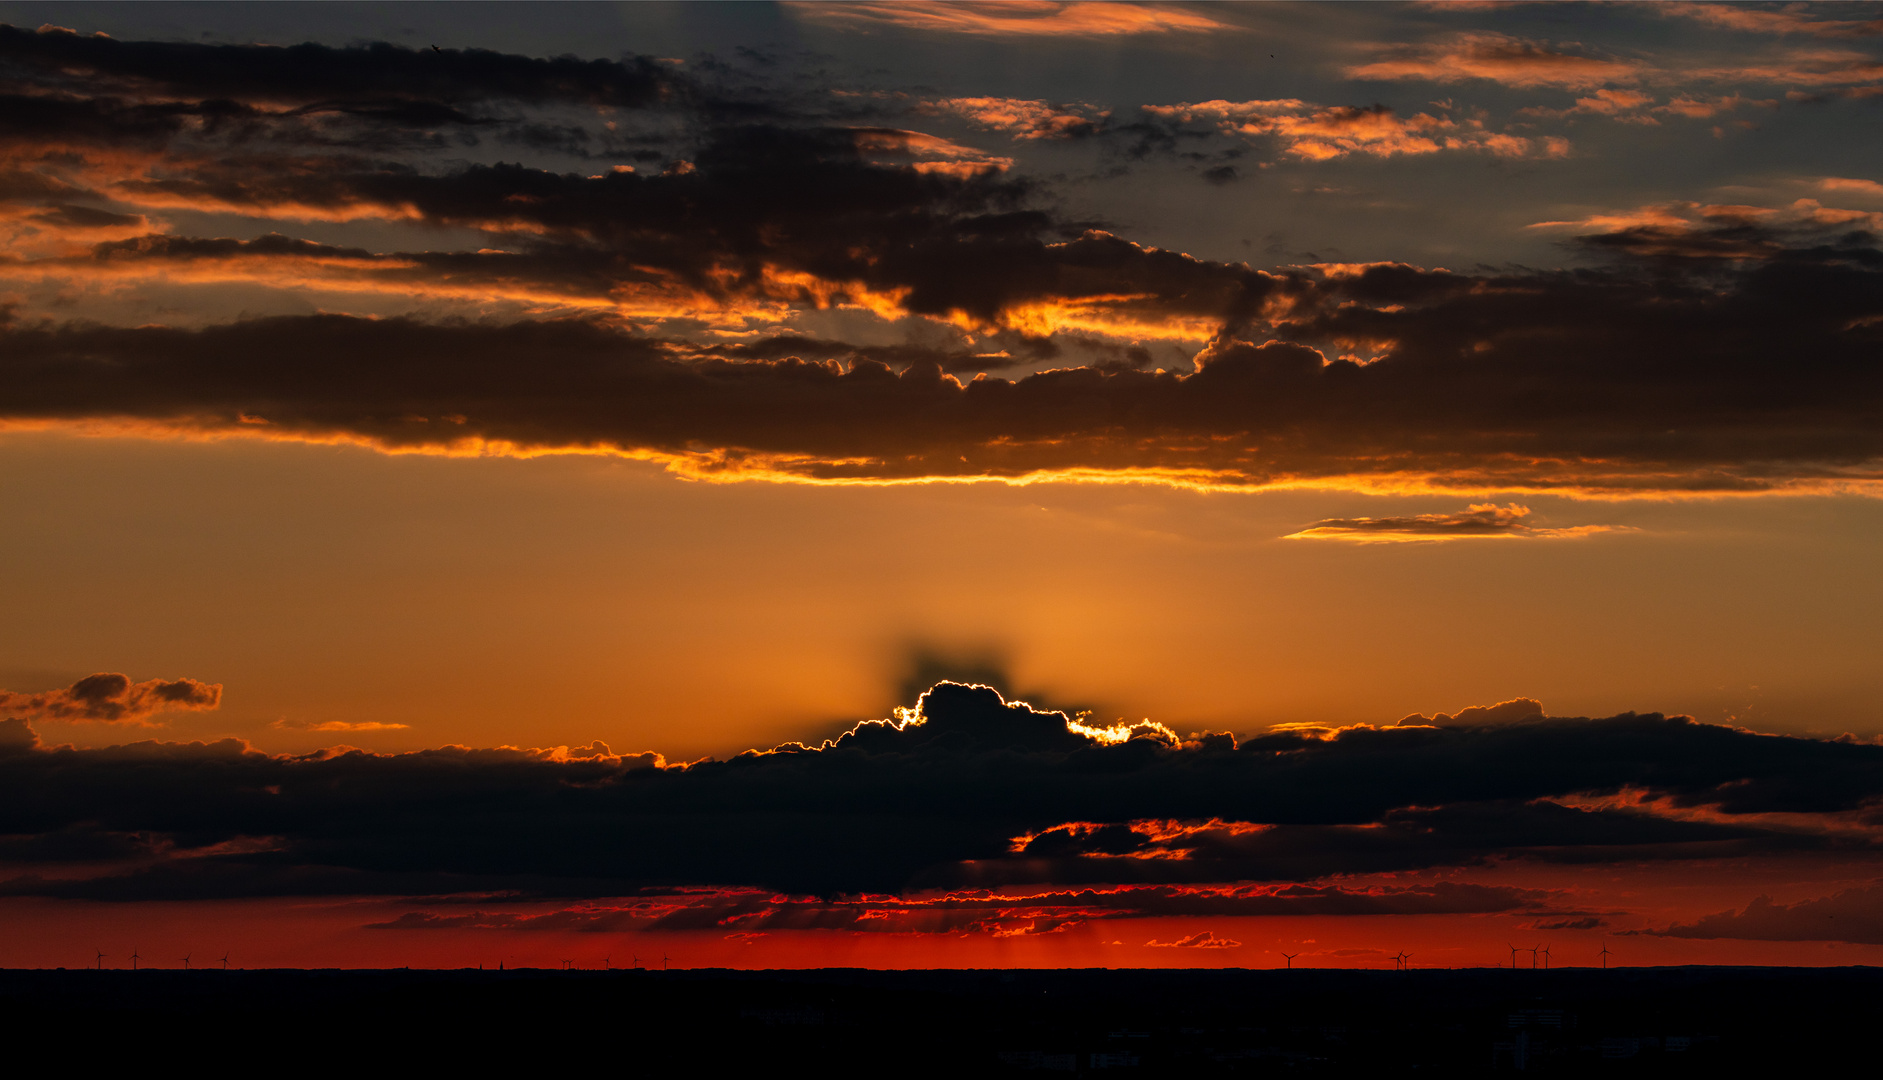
point(1495, 58)
point(337, 725)
point(1016, 18)
point(1768, 20)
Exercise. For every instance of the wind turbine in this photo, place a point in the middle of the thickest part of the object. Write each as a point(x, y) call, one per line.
point(1605, 954)
point(637, 961)
point(663, 961)
point(1405, 960)
point(134, 959)
point(101, 959)
point(186, 962)
point(608, 962)
point(224, 961)
point(1546, 958)
point(567, 964)
point(1513, 956)
point(1290, 957)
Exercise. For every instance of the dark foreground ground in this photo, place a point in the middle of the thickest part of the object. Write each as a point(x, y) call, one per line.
point(1627, 1021)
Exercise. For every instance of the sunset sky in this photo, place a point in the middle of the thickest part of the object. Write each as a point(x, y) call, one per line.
point(494, 483)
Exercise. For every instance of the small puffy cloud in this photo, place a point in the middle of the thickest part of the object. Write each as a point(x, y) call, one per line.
point(1025, 119)
point(1480, 521)
point(1497, 58)
point(112, 698)
point(1201, 940)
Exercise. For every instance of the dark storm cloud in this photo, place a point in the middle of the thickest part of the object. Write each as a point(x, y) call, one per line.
point(982, 795)
point(1737, 375)
point(1854, 915)
point(1007, 913)
point(376, 75)
point(1728, 354)
point(112, 698)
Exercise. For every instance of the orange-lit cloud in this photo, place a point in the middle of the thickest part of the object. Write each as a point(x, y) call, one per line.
point(1716, 230)
point(1319, 133)
point(1014, 18)
point(1780, 21)
point(112, 698)
point(1823, 68)
point(1023, 118)
point(1480, 521)
point(1497, 58)
point(338, 725)
point(1852, 184)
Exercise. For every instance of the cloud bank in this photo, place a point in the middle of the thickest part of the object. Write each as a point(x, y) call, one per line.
point(966, 800)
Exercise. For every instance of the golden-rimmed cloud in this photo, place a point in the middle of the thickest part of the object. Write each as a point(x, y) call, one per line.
point(1378, 377)
point(1480, 521)
point(910, 826)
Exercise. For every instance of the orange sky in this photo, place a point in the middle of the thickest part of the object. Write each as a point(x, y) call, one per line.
point(682, 381)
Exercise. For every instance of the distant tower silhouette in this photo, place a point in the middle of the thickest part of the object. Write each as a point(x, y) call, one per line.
point(1290, 958)
point(663, 961)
